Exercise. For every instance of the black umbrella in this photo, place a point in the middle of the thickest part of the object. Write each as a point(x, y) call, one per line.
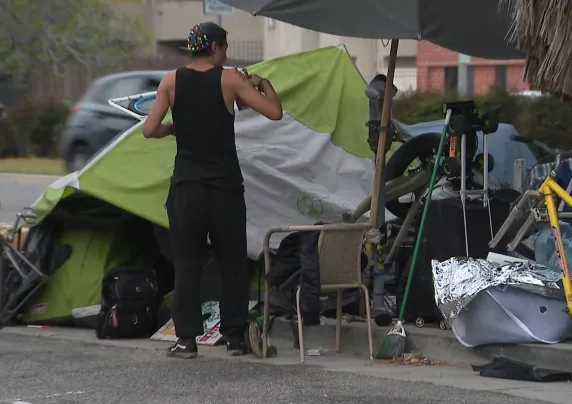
point(472, 27)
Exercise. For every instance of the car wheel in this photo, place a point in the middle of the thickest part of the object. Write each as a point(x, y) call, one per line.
point(79, 157)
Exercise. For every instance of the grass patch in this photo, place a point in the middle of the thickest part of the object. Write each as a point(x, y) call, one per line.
point(32, 166)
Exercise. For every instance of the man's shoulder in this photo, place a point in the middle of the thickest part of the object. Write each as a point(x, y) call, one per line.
point(171, 75)
point(233, 75)
point(168, 80)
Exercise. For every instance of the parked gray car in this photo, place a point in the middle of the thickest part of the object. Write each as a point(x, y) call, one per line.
point(94, 123)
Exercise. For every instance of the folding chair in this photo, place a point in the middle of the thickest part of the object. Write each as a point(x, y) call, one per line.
point(339, 250)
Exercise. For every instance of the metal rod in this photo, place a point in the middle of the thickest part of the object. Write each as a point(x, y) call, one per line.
point(562, 203)
point(411, 214)
point(475, 192)
point(521, 233)
point(486, 201)
point(514, 214)
point(490, 216)
point(486, 171)
point(464, 187)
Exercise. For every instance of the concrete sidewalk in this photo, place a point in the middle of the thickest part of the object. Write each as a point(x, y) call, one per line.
point(439, 345)
point(353, 359)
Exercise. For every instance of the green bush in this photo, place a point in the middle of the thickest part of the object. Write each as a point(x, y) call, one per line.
point(544, 118)
point(32, 128)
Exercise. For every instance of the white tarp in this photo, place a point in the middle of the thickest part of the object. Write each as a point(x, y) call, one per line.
point(295, 175)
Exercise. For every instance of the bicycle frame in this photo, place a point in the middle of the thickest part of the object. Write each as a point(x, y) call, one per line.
point(547, 189)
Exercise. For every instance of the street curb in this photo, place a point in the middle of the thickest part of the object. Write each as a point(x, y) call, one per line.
point(433, 343)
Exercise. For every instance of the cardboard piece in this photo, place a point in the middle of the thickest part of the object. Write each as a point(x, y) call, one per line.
point(211, 326)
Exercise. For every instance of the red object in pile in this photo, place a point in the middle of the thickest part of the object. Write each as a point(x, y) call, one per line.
point(240, 104)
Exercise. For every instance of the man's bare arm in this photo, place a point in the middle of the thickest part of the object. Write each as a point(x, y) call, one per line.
point(266, 88)
point(267, 103)
point(153, 126)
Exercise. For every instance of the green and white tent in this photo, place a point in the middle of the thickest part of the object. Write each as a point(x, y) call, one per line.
point(311, 166)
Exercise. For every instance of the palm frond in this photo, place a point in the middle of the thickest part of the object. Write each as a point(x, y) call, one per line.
point(542, 29)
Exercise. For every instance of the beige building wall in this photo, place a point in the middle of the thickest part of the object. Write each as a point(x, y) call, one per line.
point(257, 38)
point(171, 20)
point(371, 56)
point(175, 18)
point(283, 39)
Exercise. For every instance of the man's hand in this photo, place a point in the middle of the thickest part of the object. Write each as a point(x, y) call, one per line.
point(242, 74)
point(166, 129)
point(255, 79)
point(262, 100)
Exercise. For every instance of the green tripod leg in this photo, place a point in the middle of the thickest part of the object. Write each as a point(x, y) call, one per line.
point(424, 218)
point(395, 342)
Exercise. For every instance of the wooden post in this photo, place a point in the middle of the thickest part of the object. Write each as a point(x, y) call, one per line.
point(385, 116)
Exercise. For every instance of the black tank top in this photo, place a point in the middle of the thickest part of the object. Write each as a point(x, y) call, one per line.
point(206, 150)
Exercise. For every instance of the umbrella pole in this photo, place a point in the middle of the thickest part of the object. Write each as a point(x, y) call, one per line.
point(377, 209)
point(378, 184)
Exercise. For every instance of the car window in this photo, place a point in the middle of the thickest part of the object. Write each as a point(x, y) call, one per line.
point(150, 84)
point(144, 106)
point(124, 87)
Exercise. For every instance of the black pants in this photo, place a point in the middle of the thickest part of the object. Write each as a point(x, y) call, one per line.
point(194, 211)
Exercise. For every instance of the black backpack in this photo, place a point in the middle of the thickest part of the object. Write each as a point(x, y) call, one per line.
point(128, 304)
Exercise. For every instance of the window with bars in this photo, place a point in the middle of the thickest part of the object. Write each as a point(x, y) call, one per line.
point(451, 79)
point(500, 76)
point(470, 80)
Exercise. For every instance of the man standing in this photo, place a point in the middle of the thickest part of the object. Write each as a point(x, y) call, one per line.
point(206, 196)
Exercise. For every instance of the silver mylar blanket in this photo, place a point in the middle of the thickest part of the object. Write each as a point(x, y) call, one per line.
point(510, 304)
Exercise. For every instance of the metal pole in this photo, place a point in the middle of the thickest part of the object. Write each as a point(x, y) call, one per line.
point(464, 187)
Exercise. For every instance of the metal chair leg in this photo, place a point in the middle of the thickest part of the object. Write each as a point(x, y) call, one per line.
point(339, 302)
point(265, 324)
point(293, 321)
point(300, 326)
point(368, 320)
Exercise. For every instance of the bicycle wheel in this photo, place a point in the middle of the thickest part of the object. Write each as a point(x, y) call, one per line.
point(420, 150)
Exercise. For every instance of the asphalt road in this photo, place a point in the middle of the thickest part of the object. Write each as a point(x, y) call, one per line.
point(36, 370)
point(18, 191)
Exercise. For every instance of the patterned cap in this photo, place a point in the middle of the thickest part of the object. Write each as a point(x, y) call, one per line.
point(203, 35)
